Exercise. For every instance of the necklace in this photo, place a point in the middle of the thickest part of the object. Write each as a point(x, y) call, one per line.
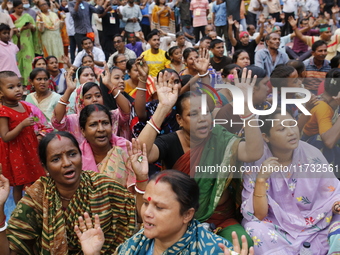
point(64, 198)
point(10, 106)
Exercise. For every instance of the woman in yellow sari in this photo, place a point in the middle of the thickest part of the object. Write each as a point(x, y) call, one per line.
point(49, 27)
point(28, 40)
point(163, 17)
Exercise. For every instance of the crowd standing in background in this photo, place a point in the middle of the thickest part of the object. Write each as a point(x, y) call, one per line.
point(99, 98)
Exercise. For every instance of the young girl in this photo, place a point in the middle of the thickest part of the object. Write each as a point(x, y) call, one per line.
point(18, 142)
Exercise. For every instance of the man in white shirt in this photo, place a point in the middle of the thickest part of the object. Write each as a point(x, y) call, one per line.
point(132, 15)
point(88, 49)
point(119, 44)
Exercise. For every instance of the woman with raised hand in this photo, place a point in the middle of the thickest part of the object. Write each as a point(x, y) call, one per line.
point(90, 93)
point(44, 219)
point(170, 201)
point(198, 145)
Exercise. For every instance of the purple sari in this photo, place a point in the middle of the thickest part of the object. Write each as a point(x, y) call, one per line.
point(300, 204)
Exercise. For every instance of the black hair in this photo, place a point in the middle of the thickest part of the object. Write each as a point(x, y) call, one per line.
point(332, 82)
point(267, 125)
point(180, 33)
point(185, 188)
point(302, 20)
point(248, 26)
point(130, 64)
point(81, 70)
point(255, 70)
point(205, 38)
point(185, 79)
point(36, 59)
point(182, 98)
point(89, 85)
point(237, 53)
point(187, 52)
point(88, 110)
point(118, 35)
point(171, 51)
point(317, 44)
point(214, 42)
point(227, 69)
point(335, 61)
point(85, 38)
point(6, 74)
point(298, 65)
point(4, 27)
point(48, 138)
point(152, 33)
point(169, 70)
point(36, 71)
point(49, 57)
point(278, 75)
point(16, 3)
point(82, 59)
point(114, 59)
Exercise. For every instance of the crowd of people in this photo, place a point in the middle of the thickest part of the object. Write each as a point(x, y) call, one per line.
point(115, 125)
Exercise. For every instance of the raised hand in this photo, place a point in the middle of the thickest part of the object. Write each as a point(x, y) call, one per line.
point(231, 21)
point(245, 83)
point(4, 188)
point(106, 77)
point(91, 236)
point(237, 248)
point(167, 90)
point(71, 85)
point(335, 9)
point(313, 101)
point(142, 67)
point(292, 21)
point(138, 159)
point(262, 19)
point(202, 62)
point(237, 24)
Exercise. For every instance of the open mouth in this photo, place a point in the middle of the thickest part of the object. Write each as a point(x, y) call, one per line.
point(101, 138)
point(293, 140)
point(70, 174)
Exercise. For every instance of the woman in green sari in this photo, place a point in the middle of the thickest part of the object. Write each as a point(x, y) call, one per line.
point(198, 146)
point(29, 45)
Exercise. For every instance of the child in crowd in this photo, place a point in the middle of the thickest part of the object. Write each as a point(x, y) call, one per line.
point(8, 50)
point(18, 142)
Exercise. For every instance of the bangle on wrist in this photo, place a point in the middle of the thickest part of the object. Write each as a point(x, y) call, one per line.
point(139, 191)
point(203, 75)
point(142, 89)
point(110, 92)
point(155, 124)
point(156, 129)
point(3, 222)
point(137, 181)
point(4, 227)
point(142, 80)
point(60, 102)
point(255, 195)
point(117, 94)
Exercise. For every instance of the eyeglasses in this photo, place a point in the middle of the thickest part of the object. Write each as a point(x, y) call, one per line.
point(122, 61)
point(114, 42)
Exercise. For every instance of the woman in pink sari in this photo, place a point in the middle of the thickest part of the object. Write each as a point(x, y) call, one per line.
point(296, 202)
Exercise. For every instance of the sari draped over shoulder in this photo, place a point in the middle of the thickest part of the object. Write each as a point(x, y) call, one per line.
point(219, 149)
point(300, 201)
point(29, 46)
point(40, 225)
point(114, 165)
point(196, 240)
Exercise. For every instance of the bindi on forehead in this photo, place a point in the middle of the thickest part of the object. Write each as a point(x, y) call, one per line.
point(149, 199)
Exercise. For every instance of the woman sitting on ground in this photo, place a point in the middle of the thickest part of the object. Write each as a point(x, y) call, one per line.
point(170, 200)
point(44, 219)
point(298, 201)
point(103, 151)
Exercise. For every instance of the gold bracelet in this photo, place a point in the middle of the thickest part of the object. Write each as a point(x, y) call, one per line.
point(255, 195)
point(142, 80)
